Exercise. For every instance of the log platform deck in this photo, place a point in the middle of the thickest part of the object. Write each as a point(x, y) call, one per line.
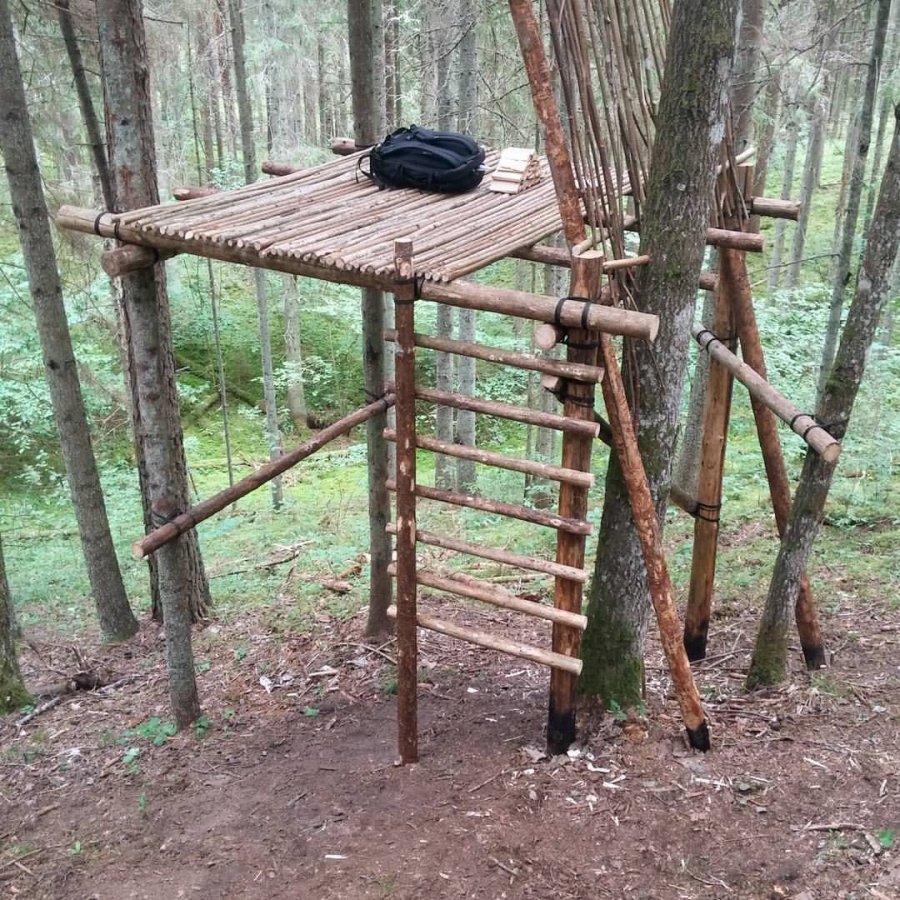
point(331, 218)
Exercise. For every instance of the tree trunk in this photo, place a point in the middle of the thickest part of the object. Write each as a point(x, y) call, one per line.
point(12, 688)
point(85, 101)
point(293, 353)
point(844, 251)
point(765, 141)
point(245, 116)
point(811, 168)
point(366, 36)
point(746, 73)
point(690, 125)
point(132, 161)
point(393, 86)
point(787, 185)
point(26, 192)
point(769, 661)
point(467, 122)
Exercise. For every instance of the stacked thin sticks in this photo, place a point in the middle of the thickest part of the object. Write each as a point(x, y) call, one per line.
point(517, 170)
point(610, 55)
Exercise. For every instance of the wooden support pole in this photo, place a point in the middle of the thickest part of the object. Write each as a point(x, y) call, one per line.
point(496, 554)
point(578, 403)
point(800, 423)
point(487, 593)
point(193, 192)
point(500, 460)
point(716, 413)
point(120, 261)
point(775, 209)
point(532, 46)
point(405, 368)
point(650, 536)
point(810, 633)
point(493, 642)
point(197, 514)
point(499, 508)
point(525, 361)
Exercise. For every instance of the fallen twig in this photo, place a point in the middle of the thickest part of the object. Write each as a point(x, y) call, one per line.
point(370, 649)
point(53, 701)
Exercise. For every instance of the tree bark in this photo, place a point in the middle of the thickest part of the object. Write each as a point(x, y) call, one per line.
point(787, 185)
point(366, 36)
point(245, 116)
point(467, 122)
point(12, 689)
point(132, 163)
point(690, 126)
point(293, 353)
point(85, 101)
point(769, 662)
point(26, 192)
point(854, 196)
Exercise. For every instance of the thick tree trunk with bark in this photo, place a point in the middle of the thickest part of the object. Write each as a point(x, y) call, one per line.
point(132, 163)
point(26, 192)
point(366, 35)
point(769, 661)
point(844, 250)
point(12, 688)
point(690, 127)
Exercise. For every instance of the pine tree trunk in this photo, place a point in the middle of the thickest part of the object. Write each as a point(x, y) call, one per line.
point(85, 101)
point(844, 250)
point(811, 168)
point(293, 353)
point(690, 124)
point(245, 116)
point(467, 122)
point(773, 278)
point(769, 661)
point(765, 142)
point(26, 192)
point(12, 689)
point(366, 38)
point(132, 163)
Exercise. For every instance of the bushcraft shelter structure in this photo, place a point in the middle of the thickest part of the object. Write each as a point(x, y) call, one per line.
point(327, 223)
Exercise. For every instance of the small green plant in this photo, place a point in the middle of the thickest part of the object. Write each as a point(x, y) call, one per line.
point(201, 727)
point(201, 666)
point(240, 654)
point(130, 760)
point(143, 804)
point(310, 712)
point(76, 849)
point(886, 838)
point(828, 686)
point(155, 730)
point(389, 684)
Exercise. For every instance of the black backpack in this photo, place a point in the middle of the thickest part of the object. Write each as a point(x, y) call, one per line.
point(415, 157)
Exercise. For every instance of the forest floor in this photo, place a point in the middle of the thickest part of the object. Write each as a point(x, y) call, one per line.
point(288, 788)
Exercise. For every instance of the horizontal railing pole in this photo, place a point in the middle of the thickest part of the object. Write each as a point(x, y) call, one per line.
point(802, 424)
point(492, 642)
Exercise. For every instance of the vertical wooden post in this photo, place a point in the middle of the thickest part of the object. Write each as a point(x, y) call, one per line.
point(776, 471)
point(716, 412)
point(647, 525)
point(407, 650)
point(532, 46)
point(578, 403)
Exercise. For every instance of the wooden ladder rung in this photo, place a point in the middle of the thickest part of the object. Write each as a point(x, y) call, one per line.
point(499, 508)
point(558, 367)
point(555, 569)
point(492, 642)
point(500, 460)
point(508, 411)
point(466, 586)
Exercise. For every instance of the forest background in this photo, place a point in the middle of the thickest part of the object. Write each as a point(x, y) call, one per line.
point(808, 97)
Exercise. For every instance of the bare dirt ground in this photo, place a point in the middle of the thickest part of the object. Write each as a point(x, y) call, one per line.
point(290, 790)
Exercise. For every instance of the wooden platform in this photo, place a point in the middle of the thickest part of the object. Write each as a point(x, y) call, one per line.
point(331, 217)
